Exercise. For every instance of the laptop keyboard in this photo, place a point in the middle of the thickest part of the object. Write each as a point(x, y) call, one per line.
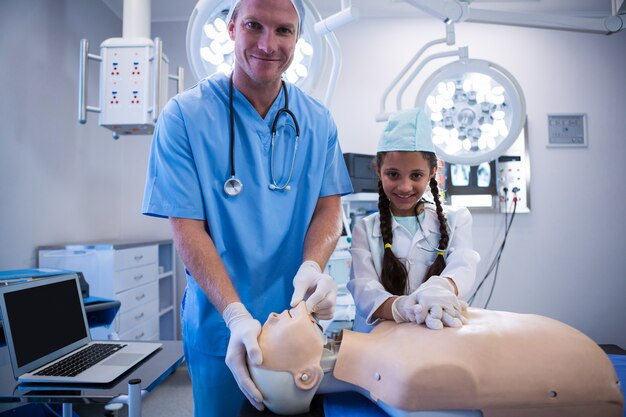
point(79, 361)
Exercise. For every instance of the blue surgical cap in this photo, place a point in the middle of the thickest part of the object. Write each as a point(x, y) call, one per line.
point(297, 4)
point(407, 130)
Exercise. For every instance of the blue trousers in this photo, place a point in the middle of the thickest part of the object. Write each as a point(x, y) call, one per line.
point(215, 392)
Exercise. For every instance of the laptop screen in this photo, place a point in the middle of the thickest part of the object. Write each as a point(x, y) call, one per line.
point(45, 318)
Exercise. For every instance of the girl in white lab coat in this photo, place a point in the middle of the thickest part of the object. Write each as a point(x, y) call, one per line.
point(413, 260)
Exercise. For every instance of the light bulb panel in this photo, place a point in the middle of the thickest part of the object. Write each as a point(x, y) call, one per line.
point(210, 49)
point(477, 110)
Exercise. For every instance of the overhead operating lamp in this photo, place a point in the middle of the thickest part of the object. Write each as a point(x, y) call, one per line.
point(210, 49)
point(477, 110)
point(133, 76)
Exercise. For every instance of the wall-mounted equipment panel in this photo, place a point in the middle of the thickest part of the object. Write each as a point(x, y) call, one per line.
point(567, 130)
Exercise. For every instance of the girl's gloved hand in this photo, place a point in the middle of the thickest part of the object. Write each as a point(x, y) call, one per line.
point(437, 298)
point(405, 308)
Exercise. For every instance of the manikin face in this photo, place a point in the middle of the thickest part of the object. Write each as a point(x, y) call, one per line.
point(265, 35)
point(405, 177)
point(292, 341)
point(292, 346)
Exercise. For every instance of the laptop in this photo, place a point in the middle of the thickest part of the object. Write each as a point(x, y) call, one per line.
point(46, 330)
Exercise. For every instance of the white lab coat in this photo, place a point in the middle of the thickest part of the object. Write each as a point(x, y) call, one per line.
point(367, 257)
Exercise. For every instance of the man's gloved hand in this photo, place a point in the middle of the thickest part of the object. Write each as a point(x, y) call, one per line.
point(244, 333)
point(443, 307)
point(405, 308)
point(320, 289)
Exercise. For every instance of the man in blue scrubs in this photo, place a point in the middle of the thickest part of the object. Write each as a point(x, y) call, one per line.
point(255, 252)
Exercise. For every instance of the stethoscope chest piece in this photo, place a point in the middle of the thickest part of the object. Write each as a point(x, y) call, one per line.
point(232, 186)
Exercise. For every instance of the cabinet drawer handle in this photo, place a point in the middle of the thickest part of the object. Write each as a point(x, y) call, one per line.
point(138, 316)
point(138, 277)
point(140, 335)
point(138, 257)
point(140, 297)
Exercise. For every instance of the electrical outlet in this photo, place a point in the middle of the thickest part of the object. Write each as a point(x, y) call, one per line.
point(512, 177)
point(126, 81)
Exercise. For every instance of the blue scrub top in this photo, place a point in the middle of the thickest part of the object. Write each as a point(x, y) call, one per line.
point(259, 233)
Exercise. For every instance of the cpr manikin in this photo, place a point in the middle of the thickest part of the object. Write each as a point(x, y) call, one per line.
point(500, 364)
point(292, 344)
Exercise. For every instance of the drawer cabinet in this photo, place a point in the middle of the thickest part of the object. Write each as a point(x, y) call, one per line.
point(140, 275)
point(137, 296)
point(137, 316)
point(131, 278)
point(134, 257)
point(142, 331)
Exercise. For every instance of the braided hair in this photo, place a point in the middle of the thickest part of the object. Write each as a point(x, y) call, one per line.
point(394, 276)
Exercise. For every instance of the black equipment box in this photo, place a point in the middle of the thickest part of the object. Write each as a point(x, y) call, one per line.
point(362, 173)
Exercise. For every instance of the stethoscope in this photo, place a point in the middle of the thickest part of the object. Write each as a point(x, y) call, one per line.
point(233, 185)
point(431, 248)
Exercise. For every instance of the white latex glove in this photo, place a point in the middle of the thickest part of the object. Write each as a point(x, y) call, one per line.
point(244, 333)
point(320, 289)
point(405, 308)
point(437, 298)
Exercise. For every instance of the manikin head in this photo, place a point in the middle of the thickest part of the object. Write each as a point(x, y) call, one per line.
point(292, 344)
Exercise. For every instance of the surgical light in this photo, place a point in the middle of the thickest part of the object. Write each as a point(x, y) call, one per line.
point(477, 110)
point(210, 49)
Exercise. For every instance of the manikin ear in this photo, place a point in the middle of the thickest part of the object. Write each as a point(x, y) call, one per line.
point(309, 377)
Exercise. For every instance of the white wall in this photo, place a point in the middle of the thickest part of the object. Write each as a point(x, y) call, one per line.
point(64, 182)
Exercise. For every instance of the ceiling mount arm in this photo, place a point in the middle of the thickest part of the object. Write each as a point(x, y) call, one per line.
point(603, 25)
point(448, 11)
point(451, 11)
point(460, 52)
point(326, 28)
point(449, 40)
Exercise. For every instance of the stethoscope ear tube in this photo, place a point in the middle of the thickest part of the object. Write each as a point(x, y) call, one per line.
point(233, 185)
point(432, 247)
point(293, 117)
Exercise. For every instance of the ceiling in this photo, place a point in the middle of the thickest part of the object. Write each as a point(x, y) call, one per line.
point(180, 10)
